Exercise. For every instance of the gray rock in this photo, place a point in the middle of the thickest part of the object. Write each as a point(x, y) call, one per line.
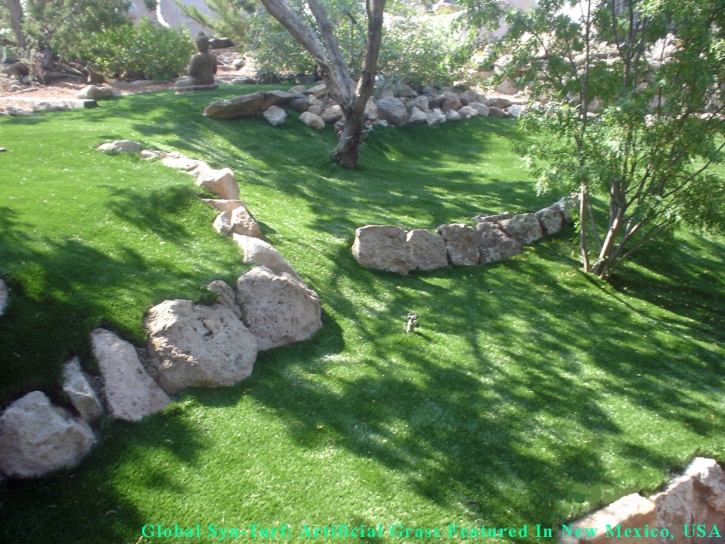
point(275, 98)
point(80, 392)
point(495, 245)
point(318, 91)
point(381, 247)
point(462, 243)
point(567, 205)
point(417, 117)
point(426, 250)
point(550, 219)
point(226, 297)
point(150, 154)
point(507, 86)
point(452, 115)
point(298, 104)
point(4, 296)
point(122, 146)
point(232, 108)
point(131, 394)
point(37, 438)
point(436, 117)
point(449, 101)
point(312, 120)
point(237, 221)
point(392, 110)
point(259, 252)
point(499, 102)
point(332, 114)
point(275, 115)
point(94, 92)
point(421, 102)
point(277, 309)
point(496, 219)
point(371, 109)
point(482, 109)
point(17, 112)
point(524, 228)
point(177, 160)
point(517, 111)
point(493, 111)
point(220, 182)
point(198, 346)
point(466, 112)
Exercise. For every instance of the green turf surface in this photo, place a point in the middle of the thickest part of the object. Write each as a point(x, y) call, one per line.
point(526, 379)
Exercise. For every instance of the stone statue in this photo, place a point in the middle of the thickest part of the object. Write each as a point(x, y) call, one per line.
point(201, 69)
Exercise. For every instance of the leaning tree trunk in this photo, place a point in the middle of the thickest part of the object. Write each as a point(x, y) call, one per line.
point(16, 17)
point(333, 68)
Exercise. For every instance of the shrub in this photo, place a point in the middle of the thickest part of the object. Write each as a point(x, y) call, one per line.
point(143, 51)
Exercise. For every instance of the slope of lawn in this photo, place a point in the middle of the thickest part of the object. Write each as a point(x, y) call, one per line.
point(526, 380)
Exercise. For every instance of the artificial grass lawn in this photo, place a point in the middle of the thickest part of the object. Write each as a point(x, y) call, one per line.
point(527, 379)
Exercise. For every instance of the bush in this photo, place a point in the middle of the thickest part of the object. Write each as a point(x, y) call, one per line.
point(143, 51)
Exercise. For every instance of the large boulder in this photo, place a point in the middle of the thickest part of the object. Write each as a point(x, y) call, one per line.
point(37, 438)
point(493, 111)
point(198, 346)
point(318, 91)
point(275, 98)
point(417, 117)
point(462, 243)
point(567, 205)
point(524, 228)
point(331, 114)
point(277, 308)
point(496, 245)
point(121, 146)
point(275, 115)
point(259, 252)
point(392, 110)
point(131, 393)
point(312, 120)
point(435, 117)
point(466, 112)
point(482, 109)
point(550, 219)
point(220, 182)
point(381, 247)
point(94, 92)
point(426, 250)
point(80, 392)
point(3, 296)
point(237, 221)
point(449, 101)
point(232, 108)
point(226, 297)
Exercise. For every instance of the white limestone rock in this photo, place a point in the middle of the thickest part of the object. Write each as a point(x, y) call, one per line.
point(131, 393)
point(426, 250)
point(275, 115)
point(312, 120)
point(122, 146)
point(37, 438)
point(462, 242)
point(550, 219)
point(182, 162)
point(226, 297)
point(94, 92)
point(516, 111)
point(220, 182)
point(381, 247)
point(524, 228)
point(224, 205)
point(436, 117)
point(80, 392)
point(198, 346)
point(277, 309)
point(237, 221)
point(259, 252)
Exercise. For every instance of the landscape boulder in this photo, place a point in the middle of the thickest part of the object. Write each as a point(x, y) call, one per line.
point(417, 117)
point(275, 115)
point(482, 109)
point(131, 393)
point(462, 243)
point(382, 247)
point(493, 111)
point(226, 297)
point(392, 110)
point(449, 101)
point(275, 98)
point(232, 108)
point(37, 438)
point(3, 296)
point(182, 162)
point(567, 205)
point(237, 221)
point(318, 91)
point(550, 219)
point(524, 228)
point(259, 252)
point(495, 245)
point(312, 120)
point(122, 146)
point(517, 111)
point(220, 182)
point(466, 112)
point(80, 392)
point(94, 92)
point(435, 117)
point(277, 308)
point(426, 250)
point(198, 346)
point(452, 115)
point(499, 102)
point(224, 205)
point(331, 114)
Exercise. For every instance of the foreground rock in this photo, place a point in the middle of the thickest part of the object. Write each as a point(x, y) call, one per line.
point(312, 120)
point(382, 247)
point(220, 182)
point(3, 297)
point(259, 252)
point(122, 146)
point(277, 309)
point(79, 391)
point(238, 221)
point(131, 394)
point(495, 244)
point(94, 92)
point(551, 220)
point(462, 242)
point(392, 110)
point(426, 250)
point(524, 228)
point(37, 438)
point(198, 346)
point(226, 297)
point(275, 115)
point(236, 107)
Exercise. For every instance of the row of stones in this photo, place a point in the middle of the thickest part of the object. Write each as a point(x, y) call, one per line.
point(495, 237)
point(188, 345)
point(318, 107)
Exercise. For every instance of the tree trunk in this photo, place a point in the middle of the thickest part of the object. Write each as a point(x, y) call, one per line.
point(16, 17)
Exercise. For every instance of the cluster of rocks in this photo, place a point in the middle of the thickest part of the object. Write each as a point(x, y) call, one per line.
point(397, 106)
point(188, 345)
point(494, 238)
point(696, 498)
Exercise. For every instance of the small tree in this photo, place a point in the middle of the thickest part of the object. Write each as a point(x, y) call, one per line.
point(324, 48)
point(637, 116)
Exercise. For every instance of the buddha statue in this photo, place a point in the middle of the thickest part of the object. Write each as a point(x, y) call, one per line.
point(201, 68)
